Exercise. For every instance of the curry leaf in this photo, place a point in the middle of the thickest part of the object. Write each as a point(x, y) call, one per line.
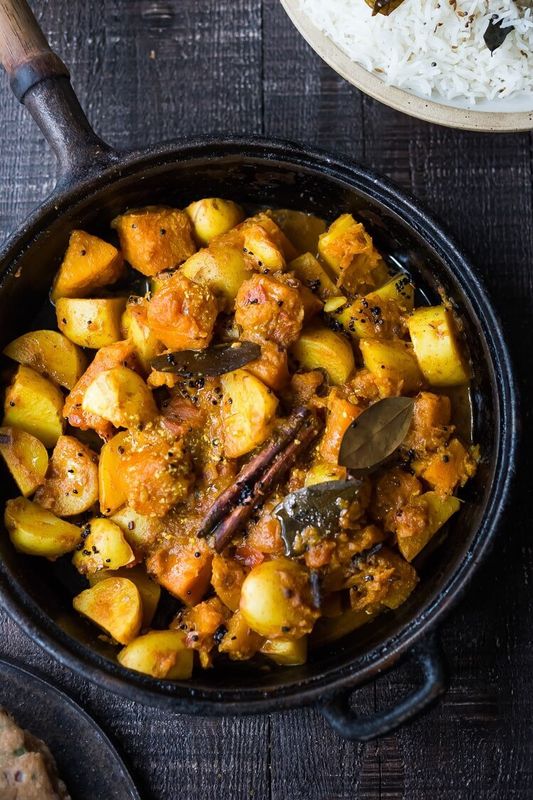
point(495, 35)
point(319, 506)
point(376, 433)
point(215, 360)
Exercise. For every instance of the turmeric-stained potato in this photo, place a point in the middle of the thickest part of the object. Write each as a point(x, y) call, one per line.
point(34, 404)
point(394, 360)
point(26, 458)
point(149, 590)
point(139, 530)
point(436, 346)
point(221, 267)
point(71, 485)
point(50, 354)
point(248, 410)
point(227, 579)
point(111, 490)
point(300, 228)
point(323, 472)
point(313, 275)
point(90, 323)
point(320, 348)
point(397, 288)
point(212, 217)
point(287, 652)
point(271, 367)
point(89, 264)
point(266, 245)
point(120, 396)
point(135, 328)
point(161, 654)
point(182, 313)
point(436, 512)
point(155, 238)
point(114, 355)
point(347, 249)
point(270, 308)
point(276, 599)
point(329, 629)
point(36, 531)
point(113, 604)
point(103, 547)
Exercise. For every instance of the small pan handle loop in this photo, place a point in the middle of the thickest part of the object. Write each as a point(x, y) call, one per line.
point(348, 725)
point(41, 81)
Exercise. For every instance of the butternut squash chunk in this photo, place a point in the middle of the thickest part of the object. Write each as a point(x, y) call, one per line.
point(347, 249)
point(111, 489)
point(155, 238)
point(89, 264)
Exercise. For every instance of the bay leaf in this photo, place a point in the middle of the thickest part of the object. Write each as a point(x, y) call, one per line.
point(215, 360)
point(376, 433)
point(319, 506)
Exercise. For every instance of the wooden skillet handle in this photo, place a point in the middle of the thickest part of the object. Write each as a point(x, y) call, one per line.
point(24, 51)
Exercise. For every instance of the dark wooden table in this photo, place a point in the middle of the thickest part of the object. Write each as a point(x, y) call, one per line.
point(147, 71)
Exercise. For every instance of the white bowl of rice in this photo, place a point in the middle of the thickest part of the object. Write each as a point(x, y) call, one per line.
point(431, 58)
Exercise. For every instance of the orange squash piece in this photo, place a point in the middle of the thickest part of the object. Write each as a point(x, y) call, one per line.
point(89, 263)
point(155, 238)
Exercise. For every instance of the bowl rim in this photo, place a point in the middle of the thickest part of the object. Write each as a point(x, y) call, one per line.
point(399, 99)
point(186, 697)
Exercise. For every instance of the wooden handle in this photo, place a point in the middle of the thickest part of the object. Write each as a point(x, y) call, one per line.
point(21, 39)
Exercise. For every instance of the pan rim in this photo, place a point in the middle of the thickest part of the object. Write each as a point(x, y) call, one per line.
point(183, 697)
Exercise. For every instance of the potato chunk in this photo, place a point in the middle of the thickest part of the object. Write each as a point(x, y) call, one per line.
point(276, 599)
point(227, 579)
point(111, 489)
point(393, 360)
point(437, 511)
point(347, 249)
point(26, 458)
point(33, 404)
point(161, 654)
point(149, 590)
point(38, 532)
point(434, 338)
point(120, 396)
point(222, 267)
point(182, 314)
point(155, 238)
point(135, 328)
point(270, 309)
point(50, 354)
point(287, 652)
point(212, 217)
point(89, 264)
point(71, 485)
point(248, 410)
point(113, 604)
point(139, 530)
point(104, 547)
point(313, 275)
point(300, 228)
point(240, 641)
point(90, 323)
point(320, 348)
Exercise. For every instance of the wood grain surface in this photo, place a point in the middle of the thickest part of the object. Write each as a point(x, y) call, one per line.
point(147, 70)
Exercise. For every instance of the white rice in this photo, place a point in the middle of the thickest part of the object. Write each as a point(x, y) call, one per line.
point(434, 48)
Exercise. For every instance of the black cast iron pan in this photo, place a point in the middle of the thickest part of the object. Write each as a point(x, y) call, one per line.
point(97, 182)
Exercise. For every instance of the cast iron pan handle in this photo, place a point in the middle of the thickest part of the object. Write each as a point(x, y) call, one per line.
point(348, 725)
point(40, 80)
